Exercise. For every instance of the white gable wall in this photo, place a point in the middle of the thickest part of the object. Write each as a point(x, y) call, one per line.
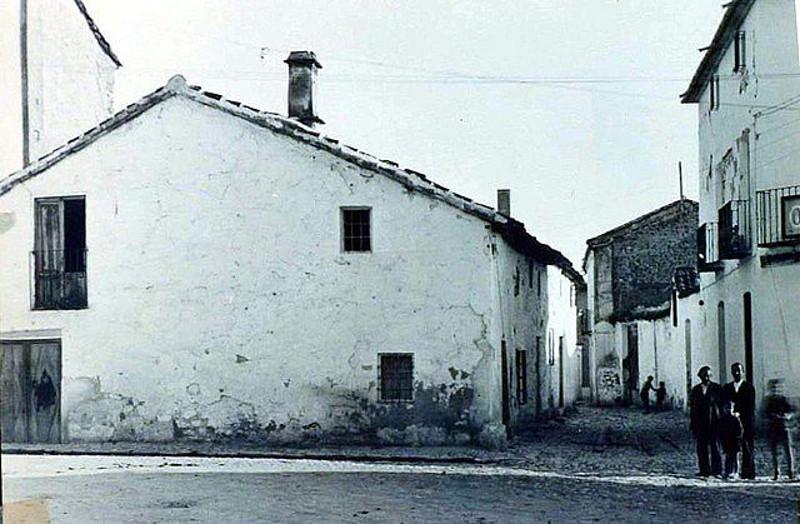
point(70, 78)
point(220, 302)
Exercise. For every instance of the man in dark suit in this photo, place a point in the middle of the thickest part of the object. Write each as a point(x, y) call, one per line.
point(743, 396)
point(704, 406)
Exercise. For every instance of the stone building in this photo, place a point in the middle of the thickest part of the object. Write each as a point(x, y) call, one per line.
point(57, 77)
point(746, 89)
point(629, 272)
point(196, 268)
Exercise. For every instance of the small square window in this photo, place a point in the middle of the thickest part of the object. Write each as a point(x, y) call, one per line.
point(356, 230)
point(396, 373)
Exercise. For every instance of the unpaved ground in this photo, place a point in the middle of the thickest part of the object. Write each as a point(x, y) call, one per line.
point(141, 489)
point(595, 465)
point(618, 441)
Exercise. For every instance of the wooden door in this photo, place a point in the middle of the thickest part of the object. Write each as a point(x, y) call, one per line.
point(31, 391)
point(45, 399)
point(14, 405)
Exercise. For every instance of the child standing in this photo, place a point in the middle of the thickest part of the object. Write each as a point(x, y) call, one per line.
point(730, 436)
point(779, 412)
point(661, 396)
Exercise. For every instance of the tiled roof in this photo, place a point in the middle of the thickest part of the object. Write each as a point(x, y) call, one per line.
point(104, 45)
point(511, 230)
point(735, 14)
point(654, 215)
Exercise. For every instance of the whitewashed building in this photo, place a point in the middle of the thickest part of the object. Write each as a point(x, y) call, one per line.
point(747, 90)
point(196, 268)
point(56, 77)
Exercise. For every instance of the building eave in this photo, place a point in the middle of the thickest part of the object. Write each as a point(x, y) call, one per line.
point(101, 40)
point(657, 214)
point(735, 14)
point(511, 230)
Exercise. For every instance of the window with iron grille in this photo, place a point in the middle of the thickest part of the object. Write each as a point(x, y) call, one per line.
point(59, 255)
point(356, 229)
point(522, 376)
point(396, 373)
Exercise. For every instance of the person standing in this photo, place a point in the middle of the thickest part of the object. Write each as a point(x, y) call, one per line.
point(644, 393)
point(704, 411)
point(730, 436)
point(743, 396)
point(779, 414)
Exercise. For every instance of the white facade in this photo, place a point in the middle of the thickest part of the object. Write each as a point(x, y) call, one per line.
point(69, 77)
point(221, 302)
point(749, 147)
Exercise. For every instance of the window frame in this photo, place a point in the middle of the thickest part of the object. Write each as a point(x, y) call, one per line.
point(381, 398)
point(740, 52)
point(60, 200)
point(714, 93)
point(342, 229)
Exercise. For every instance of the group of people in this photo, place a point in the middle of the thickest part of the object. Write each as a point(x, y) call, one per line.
point(725, 416)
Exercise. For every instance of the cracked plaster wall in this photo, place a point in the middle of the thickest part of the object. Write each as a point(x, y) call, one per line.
point(222, 306)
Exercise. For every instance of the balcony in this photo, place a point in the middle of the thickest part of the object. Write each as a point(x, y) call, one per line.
point(708, 247)
point(778, 216)
point(59, 279)
point(734, 230)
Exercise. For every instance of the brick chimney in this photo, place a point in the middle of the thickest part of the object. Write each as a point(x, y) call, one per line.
point(303, 66)
point(504, 202)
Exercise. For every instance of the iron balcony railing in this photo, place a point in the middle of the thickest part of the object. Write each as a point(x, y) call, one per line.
point(734, 230)
point(778, 213)
point(59, 278)
point(707, 246)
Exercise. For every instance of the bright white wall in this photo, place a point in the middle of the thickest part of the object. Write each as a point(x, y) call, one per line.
point(219, 297)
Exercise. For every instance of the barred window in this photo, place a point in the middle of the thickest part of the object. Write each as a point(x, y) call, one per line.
point(396, 376)
point(356, 230)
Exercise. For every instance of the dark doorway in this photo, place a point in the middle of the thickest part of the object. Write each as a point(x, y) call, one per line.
point(561, 372)
point(722, 350)
point(30, 385)
point(748, 337)
point(538, 368)
point(504, 385)
point(688, 349)
point(630, 364)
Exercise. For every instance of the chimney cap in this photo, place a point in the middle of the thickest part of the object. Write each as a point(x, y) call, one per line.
point(303, 58)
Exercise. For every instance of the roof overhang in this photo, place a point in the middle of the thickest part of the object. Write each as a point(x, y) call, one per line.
point(735, 14)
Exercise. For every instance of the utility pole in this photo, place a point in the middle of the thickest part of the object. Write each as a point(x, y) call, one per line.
point(680, 178)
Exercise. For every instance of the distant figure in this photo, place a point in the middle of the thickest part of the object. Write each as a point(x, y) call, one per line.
point(661, 396)
point(704, 410)
point(644, 393)
point(730, 436)
point(743, 396)
point(779, 414)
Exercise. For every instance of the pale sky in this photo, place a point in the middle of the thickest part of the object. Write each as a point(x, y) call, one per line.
point(572, 104)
